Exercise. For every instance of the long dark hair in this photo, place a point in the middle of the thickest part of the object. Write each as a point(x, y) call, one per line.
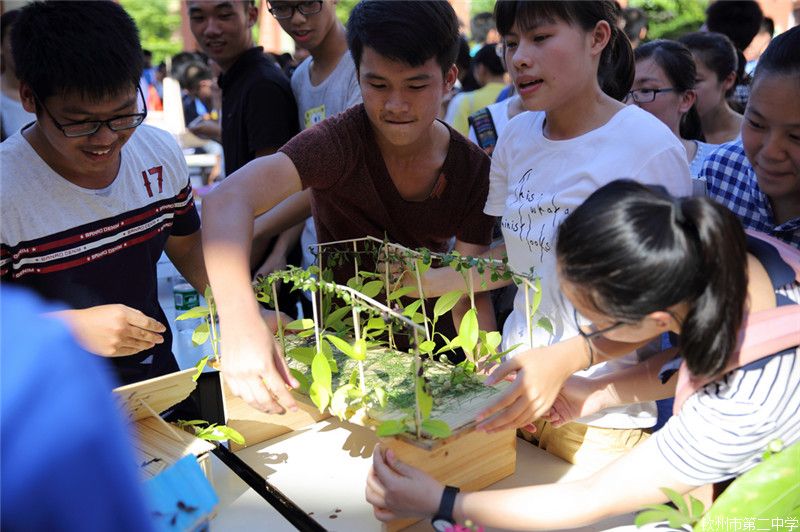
point(636, 250)
point(678, 64)
point(717, 52)
point(616, 71)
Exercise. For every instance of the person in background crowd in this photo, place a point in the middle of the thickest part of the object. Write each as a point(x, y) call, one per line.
point(259, 112)
point(716, 65)
point(12, 115)
point(664, 86)
point(758, 176)
point(759, 44)
point(483, 31)
point(386, 168)
point(489, 72)
point(740, 21)
point(91, 196)
point(635, 25)
point(324, 84)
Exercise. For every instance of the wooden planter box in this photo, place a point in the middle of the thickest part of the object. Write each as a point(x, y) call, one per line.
point(469, 460)
point(159, 444)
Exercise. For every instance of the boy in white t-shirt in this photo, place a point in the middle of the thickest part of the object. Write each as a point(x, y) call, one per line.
point(91, 198)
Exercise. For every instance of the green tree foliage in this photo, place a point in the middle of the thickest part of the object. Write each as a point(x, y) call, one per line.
point(159, 23)
point(343, 9)
point(669, 19)
point(481, 6)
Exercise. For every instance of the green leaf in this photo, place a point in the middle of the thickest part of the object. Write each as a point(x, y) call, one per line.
point(468, 330)
point(372, 288)
point(335, 317)
point(769, 490)
point(320, 395)
point(354, 377)
point(650, 516)
point(537, 295)
point(545, 324)
point(200, 366)
point(391, 427)
point(341, 345)
point(193, 423)
point(427, 346)
point(300, 325)
point(301, 378)
point(380, 395)
point(677, 499)
point(221, 433)
point(424, 399)
point(207, 293)
point(200, 334)
point(421, 266)
point(493, 340)
point(306, 334)
point(340, 403)
point(696, 507)
point(446, 303)
point(194, 313)
point(375, 324)
point(412, 308)
point(302, 354)
point(400, 292)
point(321, 370)
point(436, 428)
point(360, 349)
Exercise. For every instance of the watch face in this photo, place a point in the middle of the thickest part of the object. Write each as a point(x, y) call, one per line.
point(440, 525)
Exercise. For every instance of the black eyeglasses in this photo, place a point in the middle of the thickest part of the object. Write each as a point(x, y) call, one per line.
point(646, 95)
point(283, 11)
point(598, 332)
point(90, 127)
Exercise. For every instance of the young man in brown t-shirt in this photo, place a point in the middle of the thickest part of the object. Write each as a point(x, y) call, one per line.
point(386, 167)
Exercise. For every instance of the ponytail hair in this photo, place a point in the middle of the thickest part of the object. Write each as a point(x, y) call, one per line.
point(616, 71)
point(636, 250)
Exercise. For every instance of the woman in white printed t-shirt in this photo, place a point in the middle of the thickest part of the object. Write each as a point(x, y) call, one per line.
point(543, 167)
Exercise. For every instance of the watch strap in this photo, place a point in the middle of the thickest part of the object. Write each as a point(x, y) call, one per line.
point(447, 504)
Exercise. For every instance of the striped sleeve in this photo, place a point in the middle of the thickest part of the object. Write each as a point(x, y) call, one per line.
point(723, 429)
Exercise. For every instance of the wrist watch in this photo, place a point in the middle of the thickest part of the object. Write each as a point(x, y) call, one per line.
point(444, 515)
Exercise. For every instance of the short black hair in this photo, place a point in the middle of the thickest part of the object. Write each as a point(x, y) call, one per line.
point(403, 30)
point(487, 56)
point(91, 48)
point(7, 20)
point(740, 21)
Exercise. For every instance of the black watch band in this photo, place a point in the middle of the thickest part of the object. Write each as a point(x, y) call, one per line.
point(444, 515)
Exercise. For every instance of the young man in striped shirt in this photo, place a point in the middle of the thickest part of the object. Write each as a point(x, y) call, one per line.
point(91, 198)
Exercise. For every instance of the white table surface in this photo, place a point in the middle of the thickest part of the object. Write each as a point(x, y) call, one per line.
point(323, 469)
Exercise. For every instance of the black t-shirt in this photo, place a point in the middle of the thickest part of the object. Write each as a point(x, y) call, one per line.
point(258, 109)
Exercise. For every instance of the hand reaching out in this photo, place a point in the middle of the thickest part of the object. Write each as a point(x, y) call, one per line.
point(396, 490)
point(113, 330)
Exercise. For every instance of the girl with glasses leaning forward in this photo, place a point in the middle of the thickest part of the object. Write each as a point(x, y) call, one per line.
point(570, 61)
point(638, 263)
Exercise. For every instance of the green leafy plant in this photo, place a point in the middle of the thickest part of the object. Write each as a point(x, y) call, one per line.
point(768, 491)
point(211, 432)
point(348, 324)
